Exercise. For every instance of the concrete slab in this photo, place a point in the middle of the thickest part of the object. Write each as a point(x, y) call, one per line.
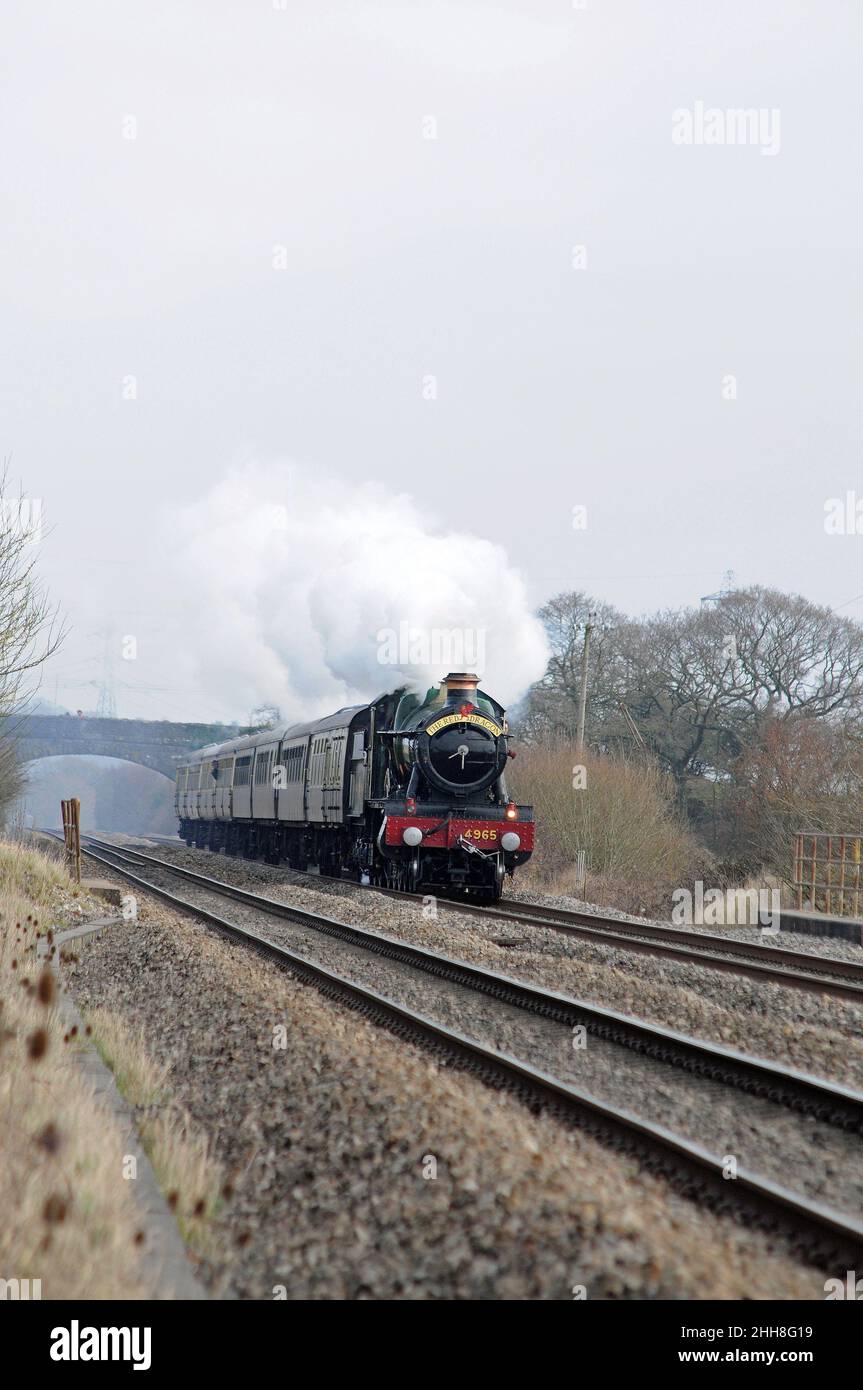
point(102, 888)
point(86, 929)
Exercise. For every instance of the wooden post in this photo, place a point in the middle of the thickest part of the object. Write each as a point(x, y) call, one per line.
point(64, 811)
point(812, 902)
point(582, 703)
point(828, 873)
point(76, 824)
point(71, 813)
point(580, 872)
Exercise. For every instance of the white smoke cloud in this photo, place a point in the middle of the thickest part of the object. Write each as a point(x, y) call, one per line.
point(299, 590)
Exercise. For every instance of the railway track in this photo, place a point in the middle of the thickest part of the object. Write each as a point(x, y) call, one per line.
point(821, 1231)
point(842, 979)
point(819, 974)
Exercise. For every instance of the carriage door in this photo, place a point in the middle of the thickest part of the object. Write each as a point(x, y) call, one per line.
point(315, 780)
point(332, 781)
point(358, 774)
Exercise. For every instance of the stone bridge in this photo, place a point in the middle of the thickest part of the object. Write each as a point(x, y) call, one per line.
point(154, 743)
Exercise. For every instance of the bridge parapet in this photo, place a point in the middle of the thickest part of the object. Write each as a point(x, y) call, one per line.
point(153, 743)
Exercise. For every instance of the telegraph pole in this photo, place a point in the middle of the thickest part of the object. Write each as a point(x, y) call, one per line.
point(582, 704)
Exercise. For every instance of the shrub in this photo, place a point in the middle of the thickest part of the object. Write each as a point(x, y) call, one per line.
point(624, 818)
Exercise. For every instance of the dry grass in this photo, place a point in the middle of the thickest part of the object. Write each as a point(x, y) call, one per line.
point(187, 1172)
point(637, 848)
point(142, 1081)
point(32, 875)
point(185, 1169)
point(69, 1218)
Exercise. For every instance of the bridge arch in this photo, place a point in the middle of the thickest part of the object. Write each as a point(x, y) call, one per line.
point(116, 794)
point(112, 758)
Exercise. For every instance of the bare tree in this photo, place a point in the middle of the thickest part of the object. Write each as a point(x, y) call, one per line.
point(552, 707)
point(30, 628)
point(698, 683)
point(11, 777)
point(263, 717)
point(799, 774)
point(706, 678)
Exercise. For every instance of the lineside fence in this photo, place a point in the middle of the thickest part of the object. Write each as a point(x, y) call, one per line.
point(827, 872)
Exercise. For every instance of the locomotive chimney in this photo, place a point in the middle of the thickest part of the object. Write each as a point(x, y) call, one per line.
point(460, 685)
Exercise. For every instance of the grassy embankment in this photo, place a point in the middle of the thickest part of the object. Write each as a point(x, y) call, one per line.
point(69, 1215)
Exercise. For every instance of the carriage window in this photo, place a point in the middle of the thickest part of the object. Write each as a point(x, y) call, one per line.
point(293, 762)
point(262, 768)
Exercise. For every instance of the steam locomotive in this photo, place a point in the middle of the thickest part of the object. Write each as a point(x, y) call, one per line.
point(402, 793)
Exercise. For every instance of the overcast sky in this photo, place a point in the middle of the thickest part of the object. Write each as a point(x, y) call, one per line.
point(282, 258)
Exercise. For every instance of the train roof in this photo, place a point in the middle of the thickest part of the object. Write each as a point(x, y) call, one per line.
point(278, 734)
point(339, 720)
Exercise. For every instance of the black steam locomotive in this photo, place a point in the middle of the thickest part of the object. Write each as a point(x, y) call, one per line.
point(403, 793)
